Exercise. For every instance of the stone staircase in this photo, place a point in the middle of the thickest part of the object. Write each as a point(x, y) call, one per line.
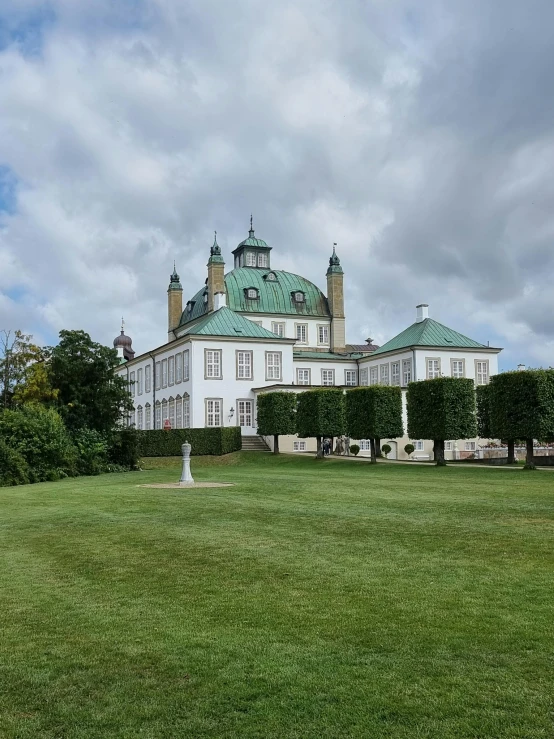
point(254, 444)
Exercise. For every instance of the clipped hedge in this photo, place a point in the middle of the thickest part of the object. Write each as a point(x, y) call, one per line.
point(277, 415)
point(167, 443)
point(321, 413)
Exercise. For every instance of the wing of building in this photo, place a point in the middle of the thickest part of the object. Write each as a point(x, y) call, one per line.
point(257, 328)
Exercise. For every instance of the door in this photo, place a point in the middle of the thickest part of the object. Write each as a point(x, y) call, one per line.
point(245, 416)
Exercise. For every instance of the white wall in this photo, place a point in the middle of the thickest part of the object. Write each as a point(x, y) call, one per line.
point(290, 327)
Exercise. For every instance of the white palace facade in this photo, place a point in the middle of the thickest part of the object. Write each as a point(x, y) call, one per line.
point(258, 329)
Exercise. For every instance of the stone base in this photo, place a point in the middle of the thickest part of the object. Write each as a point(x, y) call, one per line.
point(180, 486)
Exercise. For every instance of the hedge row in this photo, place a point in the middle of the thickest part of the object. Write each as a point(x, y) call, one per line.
point(167, 443)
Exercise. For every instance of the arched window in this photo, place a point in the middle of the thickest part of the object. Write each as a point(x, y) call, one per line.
point(158, 416)
point(186, 411)
point(178, 412)
point(172, 412)
point(139, 418)
point(147, 417)
point(271, 277)
point(165, 411)
point(298, 296)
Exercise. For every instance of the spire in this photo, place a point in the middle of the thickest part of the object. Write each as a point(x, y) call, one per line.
point(334, 262)
point(122, 325)
point(216, 249)
point(174, 280)
point(251, 232)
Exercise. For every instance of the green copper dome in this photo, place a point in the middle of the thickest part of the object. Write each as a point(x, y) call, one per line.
point(276, 294)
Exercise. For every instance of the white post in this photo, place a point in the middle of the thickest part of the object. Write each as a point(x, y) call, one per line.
point(186, 477)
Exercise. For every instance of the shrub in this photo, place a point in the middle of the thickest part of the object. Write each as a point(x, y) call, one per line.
point(92, 452)
point(277, 415)
point(386, 449)
point(14, 470)
point(355, 449)
point(123, 449)
point(214, 441)
point(409, 449)
point(320, 413)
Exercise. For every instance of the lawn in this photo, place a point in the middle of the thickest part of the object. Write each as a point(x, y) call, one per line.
point(312, 599)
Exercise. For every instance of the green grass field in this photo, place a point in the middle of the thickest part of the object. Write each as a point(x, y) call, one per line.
point(312, 599)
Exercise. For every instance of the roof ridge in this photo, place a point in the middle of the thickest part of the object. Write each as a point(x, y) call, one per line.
point(428, 333)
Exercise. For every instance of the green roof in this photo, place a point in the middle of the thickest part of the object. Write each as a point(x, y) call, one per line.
point(225, 322)
point(428, 333)
point(274, 295)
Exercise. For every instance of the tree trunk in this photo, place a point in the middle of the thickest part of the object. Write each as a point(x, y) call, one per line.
point(275, 443)
point(511, 452)
point(319, 454)
point(529, 462)
point(438, 451)
point(372, 445)
point(332, 445)
point(378, 452)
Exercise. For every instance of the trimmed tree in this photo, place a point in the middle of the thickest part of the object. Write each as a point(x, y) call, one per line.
point(485, 430)
point(276, 415)
point(374, 412)
point(441, 409)
point(321, 413)
point(409, 449)
point(522, 407)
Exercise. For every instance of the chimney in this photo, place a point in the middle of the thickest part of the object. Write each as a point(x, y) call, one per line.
point(422, 312)
point(216, 276)
point(174, 304)
point(219, 301)
point(521, 367)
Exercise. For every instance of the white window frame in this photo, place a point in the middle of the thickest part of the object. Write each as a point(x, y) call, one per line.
point(448, 446)
point(245, 412)
point(147, 417)
point(482, 378)
point(178, 412)
point(262, 260)
point(164, 372)
point(365, 445)
point(158, 375)
point(384, 374)
point(244, 369)
point(364, 377)
point(132, 384)
point(212, 364)
point(171, 371)
point(214, 412)
point(171, 414)
point(252, 293)
point(158, 415)
point(299, 446)
point(250, 260)
point(301, 377)
point(273, 365)
point(455, 369)
point(432, 367)
point(323, 334)
point(301, 330)
point(278, 328)
point(147, 379)
point(419, 445)
point(298, 296)
point(165, 411)
point(327, 377)
point(350, 377)
point(395, 373)
point(374, 375)
point(186, 365)
point(186, 412)
point(406, 372)
point(139, 381)
point(139, 418)
point(179, 368)
point(470, 446)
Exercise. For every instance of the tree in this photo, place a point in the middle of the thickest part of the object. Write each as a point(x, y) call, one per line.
point(441, 409)
point(35, 385)
point(484, 428)
point(90, 394)
point(374, 412)
point(522, 407)
point(16, 353)
point(320, 413)
point(276, 415)
point(409, 449)
point(386, 448)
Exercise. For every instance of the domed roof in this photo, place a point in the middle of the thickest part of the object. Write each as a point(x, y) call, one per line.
point(252, 240)
point(275, 295)
point(124, 342)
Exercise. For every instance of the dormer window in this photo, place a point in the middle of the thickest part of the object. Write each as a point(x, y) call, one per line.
point(205, 297)
point(252, 293)
point(262, 260)
point(250, 259)
point(190, 306)
point(299, 297)
point(271, 276)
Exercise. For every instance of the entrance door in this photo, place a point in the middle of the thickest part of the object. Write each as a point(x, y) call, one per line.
point(245, 410)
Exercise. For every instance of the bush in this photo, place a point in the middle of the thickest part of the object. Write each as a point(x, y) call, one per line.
point(409, 449)
point(386, 449)
point(321, 413)
point(92, 452)
point(40, 437)
point(355, 449)
point(162, 443)
point(14, 470)
point(124, 448)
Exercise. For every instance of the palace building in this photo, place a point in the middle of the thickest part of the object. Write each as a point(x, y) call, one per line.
point(256, 329)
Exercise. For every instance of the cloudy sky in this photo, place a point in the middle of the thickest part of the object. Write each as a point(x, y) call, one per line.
point(417, 135)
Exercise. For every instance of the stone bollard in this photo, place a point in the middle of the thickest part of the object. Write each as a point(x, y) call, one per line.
point(186, 477)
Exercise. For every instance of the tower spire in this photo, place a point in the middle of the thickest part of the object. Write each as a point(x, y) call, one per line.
point(251, 232)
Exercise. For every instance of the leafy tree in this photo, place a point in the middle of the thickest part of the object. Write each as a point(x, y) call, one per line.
point(35, 385)
point(321, 413)
point(409, 449)
point(277, 415)
point(522, 407)
point(374, 412)
point(14, 470)
point(440, 409)
point(16, 353)
point(484, 423)
point(90, 394)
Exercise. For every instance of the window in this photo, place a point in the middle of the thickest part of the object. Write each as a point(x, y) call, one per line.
point(165, 411)
point(244, 412)
point(132, 419)
point(298, 297)
point(250, 259)
point(258, 323)
point(406, 371)
point(132, 385)
point(186, 365)
point(205, 297)
point(482, 372)
point(148, 417)
point(395, 373)
point(158, 417)
point(278, 328)
point(470, 446)
point(364, 376)
point(171, 370)
point(244, 365)
point(172, 412)
point(213, 412)
point(299, 446)
point(384, 374)
point(252, 293)
point(350, 377)
point(212, 364)
point(365, 445)
point(302, 333)
point(139, 417)
point(178, 368)
point(273, 365)
point(186, 412)
point(271, 276)
point(147, 378)
point(164, 372)
point(262, 260)
point(433, 368)
point(447, 446)
point(373, 376)
point(323, 335)
point(418, 445)
point(158, 375)
point(327, 377)
point(178, 413)
point(139, 381)
point(303, 377)
point(457, 367)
